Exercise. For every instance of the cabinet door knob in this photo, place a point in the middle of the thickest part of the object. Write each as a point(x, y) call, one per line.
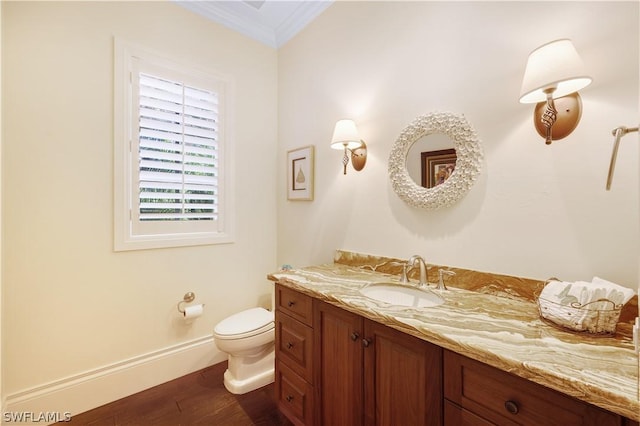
point(512, 407)
point(366, 342)
point(354, 336)
point(289, 398)
point(291, 303)
point(289, 345)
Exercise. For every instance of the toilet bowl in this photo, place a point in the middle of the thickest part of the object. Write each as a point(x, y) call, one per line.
point(248, 339)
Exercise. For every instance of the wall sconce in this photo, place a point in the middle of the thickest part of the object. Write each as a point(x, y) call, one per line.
point(346, 137)
point(553, 76)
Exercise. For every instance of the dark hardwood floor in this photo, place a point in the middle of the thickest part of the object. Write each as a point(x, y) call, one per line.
point(198, 398)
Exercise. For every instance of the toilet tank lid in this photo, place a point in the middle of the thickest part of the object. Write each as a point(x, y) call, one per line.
point(244, 322)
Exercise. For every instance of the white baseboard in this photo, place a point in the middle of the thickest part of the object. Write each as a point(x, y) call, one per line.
point(82, 392)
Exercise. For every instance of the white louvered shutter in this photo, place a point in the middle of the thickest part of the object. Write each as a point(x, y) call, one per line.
point(178, 142)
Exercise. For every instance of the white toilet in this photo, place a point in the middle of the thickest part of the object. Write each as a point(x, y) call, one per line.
point(248, 338)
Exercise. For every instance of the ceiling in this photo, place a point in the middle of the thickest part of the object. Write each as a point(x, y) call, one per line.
point(272, 22)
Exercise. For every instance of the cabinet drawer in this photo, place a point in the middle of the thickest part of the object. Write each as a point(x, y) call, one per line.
point(456, 416)
point(294, 303)
point(294, 395)
point(294, 342)
point(505, 399)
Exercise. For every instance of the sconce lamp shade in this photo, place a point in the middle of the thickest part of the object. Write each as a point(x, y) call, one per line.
point(345, 135)
point(553, 67)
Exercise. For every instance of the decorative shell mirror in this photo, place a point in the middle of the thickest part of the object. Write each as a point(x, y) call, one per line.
point(446, 176)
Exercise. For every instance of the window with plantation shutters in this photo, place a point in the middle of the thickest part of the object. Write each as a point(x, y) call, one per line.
point(178, 141)
point(176, 152)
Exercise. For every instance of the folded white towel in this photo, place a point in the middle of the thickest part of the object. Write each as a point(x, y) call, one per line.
point(581, 292)
point(614, 292)
point(562, 293)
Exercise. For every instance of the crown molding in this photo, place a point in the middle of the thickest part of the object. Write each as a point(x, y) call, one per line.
point(266, 25)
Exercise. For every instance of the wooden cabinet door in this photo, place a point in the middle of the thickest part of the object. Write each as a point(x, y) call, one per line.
point(338, 372)
point(403, 378)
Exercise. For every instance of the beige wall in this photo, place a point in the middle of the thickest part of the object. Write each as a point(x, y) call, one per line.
point(536, 211)
point(73, 306)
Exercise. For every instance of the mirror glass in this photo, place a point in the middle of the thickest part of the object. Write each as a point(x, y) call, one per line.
point(431, 160)
point(449, 171)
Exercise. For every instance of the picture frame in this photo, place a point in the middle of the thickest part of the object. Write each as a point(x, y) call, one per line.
point(300, 173)
point(437, 166)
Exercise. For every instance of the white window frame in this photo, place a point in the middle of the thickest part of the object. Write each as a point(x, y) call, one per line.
point(129, 232)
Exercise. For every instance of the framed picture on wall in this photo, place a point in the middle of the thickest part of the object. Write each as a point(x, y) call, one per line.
point(437, 166)
point(300, 174)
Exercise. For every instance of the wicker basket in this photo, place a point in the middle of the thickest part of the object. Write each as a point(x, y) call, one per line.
point(597, 317)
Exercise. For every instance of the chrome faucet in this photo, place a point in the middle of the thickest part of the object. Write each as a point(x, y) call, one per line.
point(423, 269)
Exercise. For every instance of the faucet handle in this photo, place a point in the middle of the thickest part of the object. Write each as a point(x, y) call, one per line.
point(405, 268)
point(441, 284)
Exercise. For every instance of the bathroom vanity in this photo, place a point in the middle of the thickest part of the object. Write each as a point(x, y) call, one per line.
point(331, 359)
point(342, 358)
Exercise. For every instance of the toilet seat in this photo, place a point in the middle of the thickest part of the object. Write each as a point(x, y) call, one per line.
point(245, 324)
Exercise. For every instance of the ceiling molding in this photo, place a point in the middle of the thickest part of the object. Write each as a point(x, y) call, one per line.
point(273, 23)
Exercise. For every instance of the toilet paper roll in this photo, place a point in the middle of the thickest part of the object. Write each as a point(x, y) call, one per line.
point(193, 311)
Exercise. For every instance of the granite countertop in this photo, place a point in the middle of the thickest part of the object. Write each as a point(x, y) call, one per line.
point(504, 332)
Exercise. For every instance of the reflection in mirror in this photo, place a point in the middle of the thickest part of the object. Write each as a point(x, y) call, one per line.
point(437, 167)
point(431, 160)
point(468, 160)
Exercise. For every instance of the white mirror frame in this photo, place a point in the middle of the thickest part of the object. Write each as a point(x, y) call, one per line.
point(468, 163)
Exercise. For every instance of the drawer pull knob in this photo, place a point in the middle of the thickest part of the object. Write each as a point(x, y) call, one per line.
point(354, 336)
point(291, 303)
point(366, 342)
point(289, 398)
point(512, 407)
point(289, 345)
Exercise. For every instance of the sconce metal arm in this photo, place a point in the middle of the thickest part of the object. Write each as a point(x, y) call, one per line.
point(549, 116)
point(345, 159)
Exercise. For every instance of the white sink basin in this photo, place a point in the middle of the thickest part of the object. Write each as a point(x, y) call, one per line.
point(401, 295)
